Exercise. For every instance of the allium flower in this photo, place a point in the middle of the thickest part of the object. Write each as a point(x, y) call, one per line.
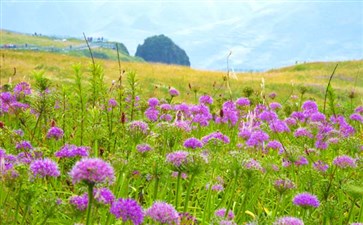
point(268, 116)
point(279, 126)
point(303, 132)
point(344, 161)
point(22, 88)
point(163, 213)
point(103, 195)
point(92, 170)
point(301, 161)
point(275, 106)
point(80, 202)
point(44, 167)
point(222, 212)
point(310, 106)
point(142, 148)
point(257, 138)
point(186, 218)
point(320, 166)
point(213, 137)
point(24, 145)
point(177, 158)
point(288, 220)
point(306, 200)
point(205, 99)
point(173, 92)
point(317, 117)
point(55, 132)
point(127, 209)
point(152, 114)
point(193, 143)
point(359, 109)
point(253, 164)
point(356, 117)
point(243, 102)
point(69, 151)
point(153, 102)
point(275, 145)
point(282, 185)
point(112, 102)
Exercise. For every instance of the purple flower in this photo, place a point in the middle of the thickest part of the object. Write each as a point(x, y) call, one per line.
point(44, 167)
point(55, 132)
point(359, 109)
point(310, 106)
point(69, 151)
point(92, 170)
point(165, 107)
point(193, 143)
point(142, 148)
point(272, 95)
point(213, 137)
point(317, 117)
point(282, 185)
point(275, 145)
point(112, 103)
point(152, 114)
point(222, 212)
point(301, 161)
point(306, 200)
point(344, 161)
point(186, 218)
point(288, 220)
point(24, 145)
point(177, 158)
point(279, 126)
point(22, 89)
point(173, 92)
point(139, 126)
point(243, 102)
point(320, 166)
point(253, 164)
point(127, 209)
point(80, 202)
point(163, 213)
point(103, 195)
point(257, 138)
point(268, 116)
point(275, 106)
point(153, 102)
point(302, 132)
point(356, 117)
point(205, 99)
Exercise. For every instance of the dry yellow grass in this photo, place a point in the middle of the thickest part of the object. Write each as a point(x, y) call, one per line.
point(156, 78)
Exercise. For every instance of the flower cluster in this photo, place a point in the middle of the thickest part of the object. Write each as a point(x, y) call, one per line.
point(91, 171)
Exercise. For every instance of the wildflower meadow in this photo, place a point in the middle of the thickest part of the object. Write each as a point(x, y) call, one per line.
point(88, 152)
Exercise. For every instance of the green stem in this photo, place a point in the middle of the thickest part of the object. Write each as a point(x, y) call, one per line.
point(90, 200)
point(351, 210)
point(188, 192)
point(177, 190)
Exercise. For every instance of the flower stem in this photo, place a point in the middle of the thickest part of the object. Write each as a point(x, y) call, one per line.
point(177, 191)
point(90, 200)
point(188, 192)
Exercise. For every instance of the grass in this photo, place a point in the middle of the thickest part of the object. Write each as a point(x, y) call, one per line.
point(155, 79)
point(9, 37)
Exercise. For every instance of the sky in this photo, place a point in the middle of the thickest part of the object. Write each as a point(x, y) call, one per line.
point(260, 35)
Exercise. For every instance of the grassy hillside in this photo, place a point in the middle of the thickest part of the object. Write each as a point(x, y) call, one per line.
point(156, 78)
point(69, 46)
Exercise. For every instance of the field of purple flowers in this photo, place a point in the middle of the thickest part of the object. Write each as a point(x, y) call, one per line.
point(85, 153)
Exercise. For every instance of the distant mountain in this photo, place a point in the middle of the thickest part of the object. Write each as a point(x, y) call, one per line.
point(162, 49)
